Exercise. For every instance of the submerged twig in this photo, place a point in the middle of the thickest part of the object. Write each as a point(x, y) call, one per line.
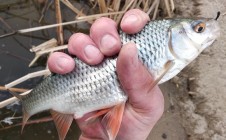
point(14, 55)
point(46, 7)
point(9, 27)
point(46, 119)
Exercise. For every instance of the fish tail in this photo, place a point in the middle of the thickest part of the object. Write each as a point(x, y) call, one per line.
point(26, 115)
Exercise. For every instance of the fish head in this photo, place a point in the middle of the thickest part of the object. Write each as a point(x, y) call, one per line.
point(189, 37)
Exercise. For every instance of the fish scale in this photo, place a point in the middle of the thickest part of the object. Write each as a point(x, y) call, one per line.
point(91, 88)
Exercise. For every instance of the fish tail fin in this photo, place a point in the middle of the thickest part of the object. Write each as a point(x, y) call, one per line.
point(26, 116)
point(112, 120)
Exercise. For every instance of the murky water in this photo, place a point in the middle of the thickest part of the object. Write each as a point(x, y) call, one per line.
point(15, 57)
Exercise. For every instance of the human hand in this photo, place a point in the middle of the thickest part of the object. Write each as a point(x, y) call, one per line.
point(144, 107)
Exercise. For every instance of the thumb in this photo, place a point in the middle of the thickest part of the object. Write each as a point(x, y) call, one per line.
point(136, 81)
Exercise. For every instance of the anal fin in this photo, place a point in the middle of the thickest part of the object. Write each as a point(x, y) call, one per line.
point(62, 122)
point(112, 120)
point(26, 116)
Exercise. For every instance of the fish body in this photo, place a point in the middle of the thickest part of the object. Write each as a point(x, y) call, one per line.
point(91, 88)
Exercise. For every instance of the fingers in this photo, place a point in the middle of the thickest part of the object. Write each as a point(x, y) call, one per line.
point(104, 33)
point(136, 81)
point(103, 41)
point(134, 21)
point(85, 49)
point(61, 63)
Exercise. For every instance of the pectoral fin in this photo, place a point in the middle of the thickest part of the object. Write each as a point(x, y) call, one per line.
point(112, 120)
point(62, 122)
point(167, 67)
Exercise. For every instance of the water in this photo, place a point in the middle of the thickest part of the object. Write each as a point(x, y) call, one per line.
point(15, 57)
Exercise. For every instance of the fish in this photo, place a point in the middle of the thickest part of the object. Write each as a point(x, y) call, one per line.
point(164, 46)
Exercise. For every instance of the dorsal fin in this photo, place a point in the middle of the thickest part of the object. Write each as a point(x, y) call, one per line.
point(62, 122)
point(15, 94)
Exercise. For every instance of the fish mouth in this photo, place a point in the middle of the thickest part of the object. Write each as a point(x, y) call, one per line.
point(215, 33)
point(208, 41)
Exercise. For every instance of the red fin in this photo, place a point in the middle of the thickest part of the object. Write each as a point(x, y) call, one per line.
point(26, 116)
point(97, 114)
point(62, 122)
point(112, 120)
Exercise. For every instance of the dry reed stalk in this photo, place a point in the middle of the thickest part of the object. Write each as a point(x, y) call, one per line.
point(52, 49)
point(60, 37)
point(42, 47)
point(115, 7)
point(167, 5)
point(75, 10)
point(50, 43)
point(125, 8)
point(92, 17)
point(172, 5)
point(26, 77)
point(156, 10)
point(102, 6)
point(2, 88)
point(11, 100)
point(152, 7)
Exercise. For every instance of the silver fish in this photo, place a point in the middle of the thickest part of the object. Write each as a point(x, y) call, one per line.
point(165, 48)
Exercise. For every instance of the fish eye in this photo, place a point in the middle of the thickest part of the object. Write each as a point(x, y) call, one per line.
point(199, 28)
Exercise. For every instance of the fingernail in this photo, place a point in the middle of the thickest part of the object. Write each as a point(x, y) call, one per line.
point(130, 19)
point(108, 42)
point(91, 51)
point(61, 62)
